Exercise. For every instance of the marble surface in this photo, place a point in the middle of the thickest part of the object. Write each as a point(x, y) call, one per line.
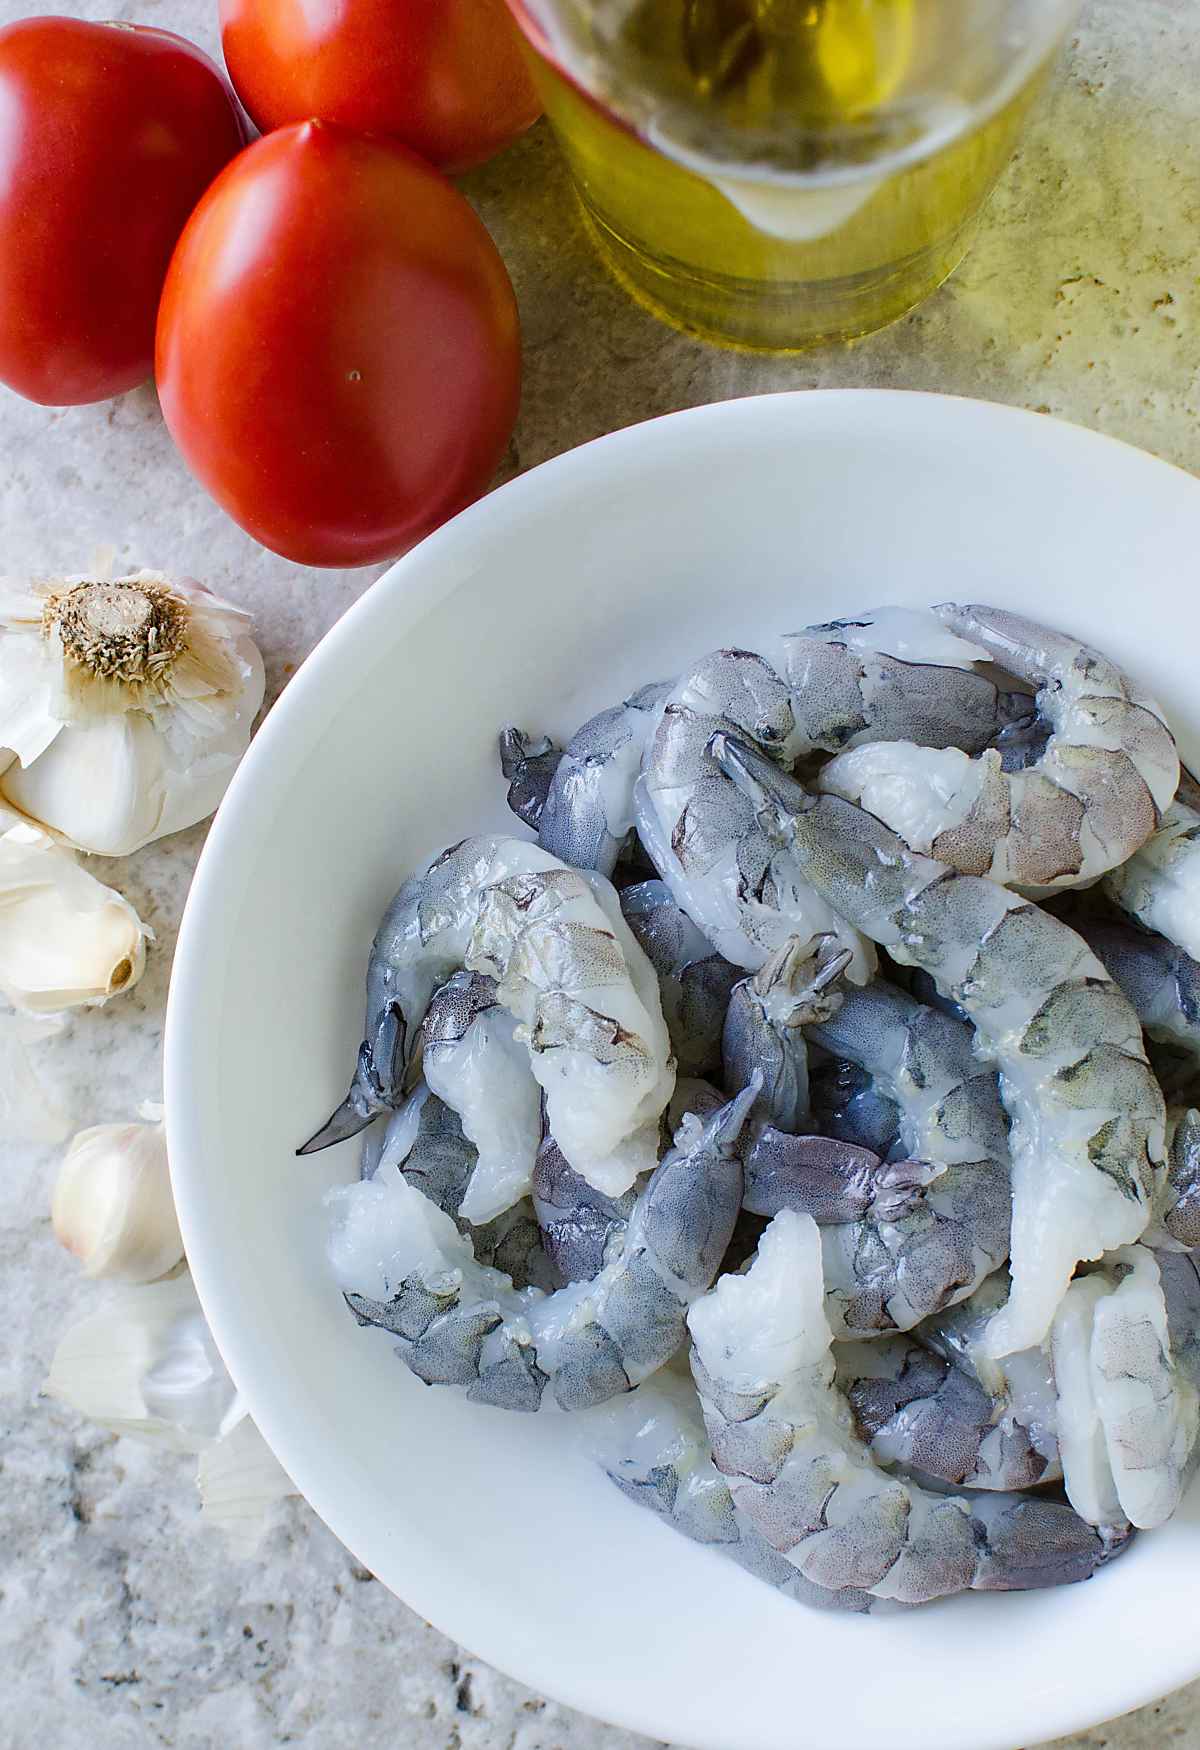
point(122, 1623)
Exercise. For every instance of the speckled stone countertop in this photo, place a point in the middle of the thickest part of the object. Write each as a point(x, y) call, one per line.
point(123, 1623)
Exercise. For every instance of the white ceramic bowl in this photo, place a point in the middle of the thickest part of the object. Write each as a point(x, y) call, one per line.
point(605, 568)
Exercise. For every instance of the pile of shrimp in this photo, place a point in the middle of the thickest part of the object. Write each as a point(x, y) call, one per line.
point(806, 1109)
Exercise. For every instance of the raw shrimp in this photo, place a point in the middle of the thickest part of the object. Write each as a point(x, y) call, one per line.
point(529, 763)
point(1108, 1392)
point(700, 832)
point(424, 1140)
point(890, 674)
point(404, 1267)
point(1087, 1473)
point(1178, 1206)
point(936, 1420)
point(421, 940)
point(1160, 884)
point(1089, 796)
point(831, 1180)
point(1018, 1444)
point(579, 1224)
point(588, 812)
point(577, 1221)
point(1088, 1119)
point(694, 982)
point(947, 1224)
point(846, 1104)
point(1160, 980)
point(472, 1060)
point(570, 969)
point(1179, 1276)
point(782, 1433)
point(798, 984)
point(652, 1444)
point(1148, 1408)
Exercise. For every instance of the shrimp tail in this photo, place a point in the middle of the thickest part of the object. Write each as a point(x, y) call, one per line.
point(370, 1093)
point(353, 1115)
point(758, 778)
point(726, 1125)
point(529, 763)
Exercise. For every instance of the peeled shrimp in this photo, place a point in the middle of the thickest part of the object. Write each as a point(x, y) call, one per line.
point(404, 1267)
point(1088, 1119)
point(473, 1061)
point(1092, 793)
point(782, 1433)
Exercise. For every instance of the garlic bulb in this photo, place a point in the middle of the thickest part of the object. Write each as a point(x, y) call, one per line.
point(239, 1479)
point(112, 1203)
point(146, 1365)
point(65, 938)
point(125, 705)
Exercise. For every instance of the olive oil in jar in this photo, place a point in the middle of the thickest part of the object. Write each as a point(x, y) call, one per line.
point(776, 173)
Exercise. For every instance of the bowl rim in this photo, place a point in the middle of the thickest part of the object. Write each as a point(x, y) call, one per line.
point(400, 597)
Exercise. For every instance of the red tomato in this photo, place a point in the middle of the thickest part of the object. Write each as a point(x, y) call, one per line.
point(444, 76)
point(109, 135)
point(338, 348)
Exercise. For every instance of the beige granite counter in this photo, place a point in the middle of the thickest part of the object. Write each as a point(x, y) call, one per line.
point(122, 1624)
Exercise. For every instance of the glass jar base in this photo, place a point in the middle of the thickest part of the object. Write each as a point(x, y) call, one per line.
point(778, 317)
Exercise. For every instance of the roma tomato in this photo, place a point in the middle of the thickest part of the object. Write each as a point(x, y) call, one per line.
point(109, 135)
point(338, 350)
point(444, 76)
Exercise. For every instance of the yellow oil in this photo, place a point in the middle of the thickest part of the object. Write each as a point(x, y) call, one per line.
point(829, 242)
point(751, 61)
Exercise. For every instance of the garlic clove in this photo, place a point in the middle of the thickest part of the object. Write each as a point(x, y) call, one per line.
point(239, 1479)
point(128, 703)
point(27, 1112)
point(65, 938)
point(99, 787)
point(27, 724)
point(146, 1365)
point(112, 1204)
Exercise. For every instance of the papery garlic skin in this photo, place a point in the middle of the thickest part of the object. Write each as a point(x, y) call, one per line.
point(239, 1479)
point(146, 1365)
point(28, 1113)
point(125, 705)
point(65, 938)
point(112, 1204)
